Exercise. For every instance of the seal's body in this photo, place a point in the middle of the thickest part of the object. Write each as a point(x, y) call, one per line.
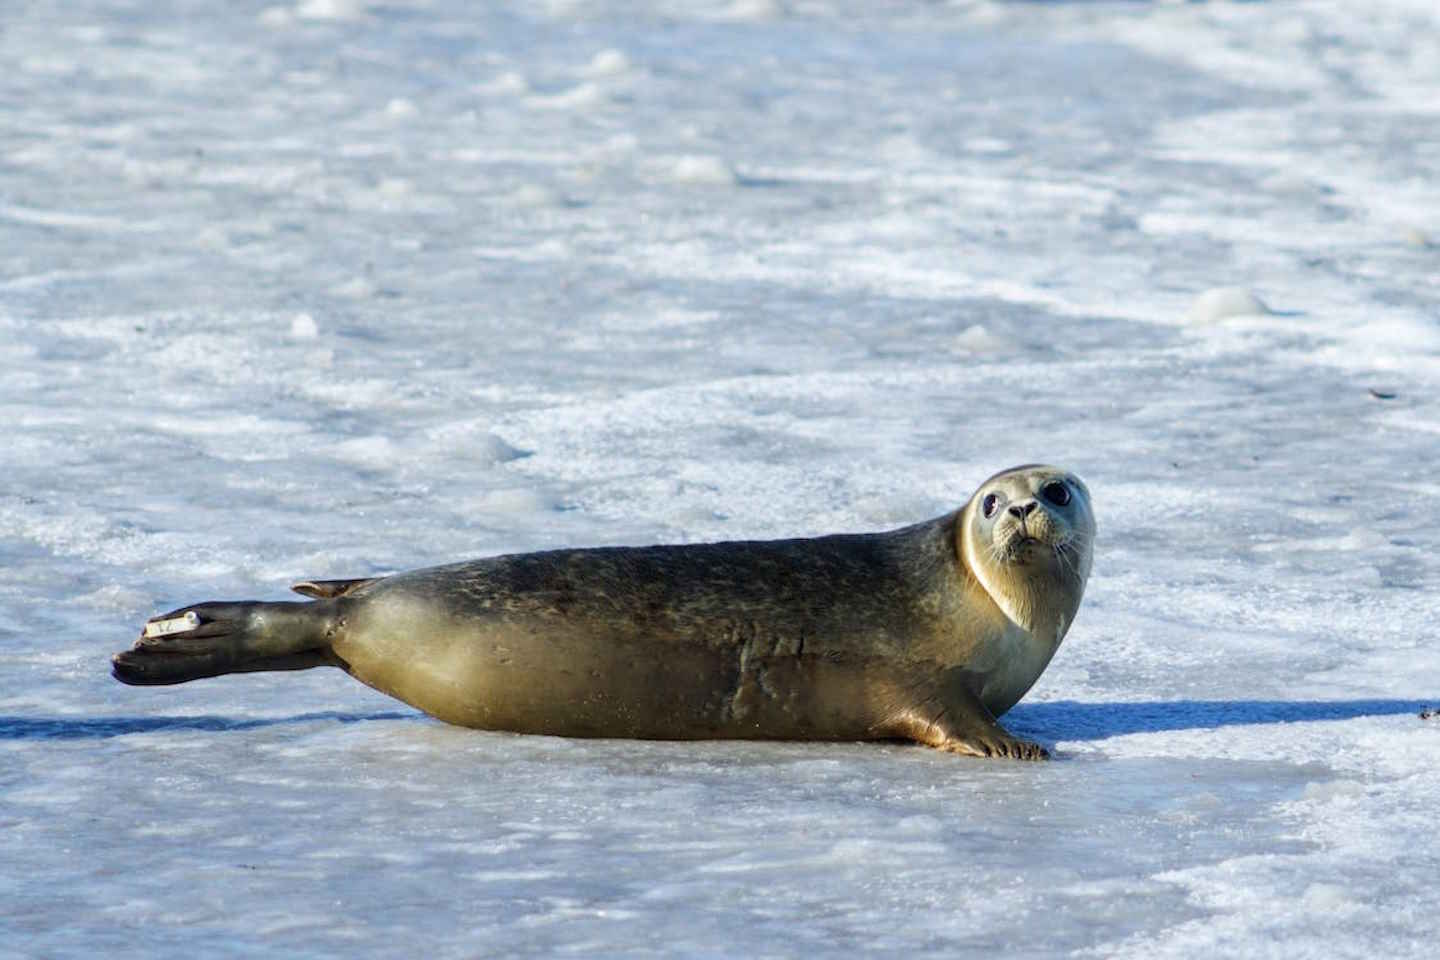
point(925, 633)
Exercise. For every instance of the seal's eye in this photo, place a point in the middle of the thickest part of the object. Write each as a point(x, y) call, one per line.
point(989, 504)
point(1056, 492)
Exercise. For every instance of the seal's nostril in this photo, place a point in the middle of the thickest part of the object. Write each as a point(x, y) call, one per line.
point(1023, 510)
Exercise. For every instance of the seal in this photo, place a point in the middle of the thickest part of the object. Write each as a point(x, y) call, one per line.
point(926, 633)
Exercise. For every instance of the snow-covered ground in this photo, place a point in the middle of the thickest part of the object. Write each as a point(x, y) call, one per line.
point(342, 288)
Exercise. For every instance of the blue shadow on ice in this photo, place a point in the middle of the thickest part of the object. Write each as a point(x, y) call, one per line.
point(99, 728)
point(1058, 720)
point(1071, 720)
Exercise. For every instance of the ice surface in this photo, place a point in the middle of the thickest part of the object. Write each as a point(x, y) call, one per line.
point(332, 288)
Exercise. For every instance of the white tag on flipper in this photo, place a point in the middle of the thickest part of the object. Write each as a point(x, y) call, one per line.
point(160, 628)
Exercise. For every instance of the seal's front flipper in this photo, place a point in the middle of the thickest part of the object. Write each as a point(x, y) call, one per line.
point(957, 722)
point(211, 639)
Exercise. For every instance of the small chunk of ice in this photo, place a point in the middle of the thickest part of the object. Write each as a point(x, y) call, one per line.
point(1221, 303)
point(276, 17)
point(400, 108)
point(330, 10)
point(303, 327)
point(608, 63)
point(701, 168)
point(752, 11)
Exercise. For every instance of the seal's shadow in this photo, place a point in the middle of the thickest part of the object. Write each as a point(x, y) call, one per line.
point(100, 728)
point(1058, 720)
point(1072, 720)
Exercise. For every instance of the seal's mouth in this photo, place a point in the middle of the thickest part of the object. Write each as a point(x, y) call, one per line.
point(1018, 547)
point(1024, 545)
point(1052, 552)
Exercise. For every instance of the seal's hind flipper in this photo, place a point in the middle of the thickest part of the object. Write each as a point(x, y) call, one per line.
point(329, 589)
point(212, 639)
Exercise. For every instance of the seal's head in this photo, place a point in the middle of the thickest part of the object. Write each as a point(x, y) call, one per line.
point(1026, 535)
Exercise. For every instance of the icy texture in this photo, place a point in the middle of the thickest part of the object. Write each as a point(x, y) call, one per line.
point(335, 288)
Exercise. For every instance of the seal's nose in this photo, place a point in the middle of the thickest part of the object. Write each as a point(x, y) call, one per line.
point(1023, 510)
